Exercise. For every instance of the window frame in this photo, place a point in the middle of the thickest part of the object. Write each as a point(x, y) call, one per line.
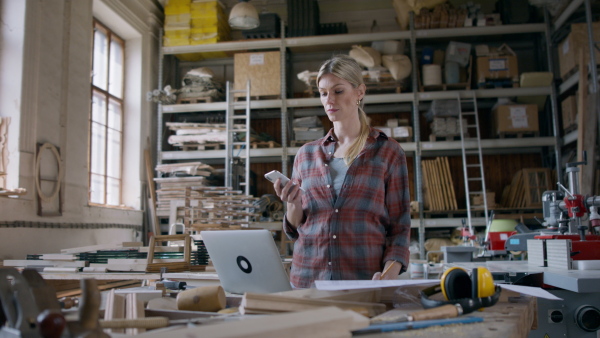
point(111, 37)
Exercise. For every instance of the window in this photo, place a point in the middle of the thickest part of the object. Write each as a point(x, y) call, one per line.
point(106, 118)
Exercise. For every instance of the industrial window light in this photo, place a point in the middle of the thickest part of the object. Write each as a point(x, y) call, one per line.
point(243, 16)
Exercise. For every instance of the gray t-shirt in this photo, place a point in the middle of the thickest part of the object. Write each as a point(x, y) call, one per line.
point(338, 170)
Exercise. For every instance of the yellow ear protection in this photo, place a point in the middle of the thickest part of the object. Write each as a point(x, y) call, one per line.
point(457, 287)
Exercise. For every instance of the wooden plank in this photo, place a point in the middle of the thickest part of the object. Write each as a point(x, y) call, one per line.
point(141, 267)
point(587, 130)
point(94, 248)
point(439, 189)
point(114, 309)
point(54, 263)
point(443, 183)
point(152, 190)
point(134, 309)
point(324, 322)
point(357, 295)
point(433, 204)
point(450, 183)
point(270, 303)
point(59, 257)
point(426, 188)
point(51, 269)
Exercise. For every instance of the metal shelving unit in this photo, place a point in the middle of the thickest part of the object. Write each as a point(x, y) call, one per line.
point(416, 149)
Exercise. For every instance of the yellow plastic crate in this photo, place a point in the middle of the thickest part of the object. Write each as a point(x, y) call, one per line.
point(177, 33)
point(210, 29)
point(178, 20)
point(206, 39)
point(206, 9)
point(178, 2)
point(177, 9)
point(209, 21)
point(179, 41)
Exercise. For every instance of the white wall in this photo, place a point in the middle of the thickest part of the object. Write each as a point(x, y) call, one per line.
point(45, 68)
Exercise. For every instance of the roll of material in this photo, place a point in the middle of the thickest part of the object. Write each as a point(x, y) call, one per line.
point(205, 298)
point(432, 75)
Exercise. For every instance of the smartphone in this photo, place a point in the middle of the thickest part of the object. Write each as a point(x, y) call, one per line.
point(275, 174)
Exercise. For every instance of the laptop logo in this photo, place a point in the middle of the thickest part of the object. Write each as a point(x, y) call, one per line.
point(244, 264)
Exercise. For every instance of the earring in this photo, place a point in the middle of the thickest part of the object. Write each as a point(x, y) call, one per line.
point(358, 102)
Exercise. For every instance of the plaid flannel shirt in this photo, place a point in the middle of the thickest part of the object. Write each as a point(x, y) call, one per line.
point(350, 237)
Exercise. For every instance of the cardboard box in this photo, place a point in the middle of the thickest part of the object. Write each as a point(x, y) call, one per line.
point(262, 69)
point(385, 130)
point(497, 67)
point(477, 200)
point(576, 41)
point(402, 132)
point(516, 118)
point(569, 111)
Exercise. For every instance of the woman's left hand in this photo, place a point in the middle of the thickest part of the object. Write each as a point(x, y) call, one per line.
point(391, 272)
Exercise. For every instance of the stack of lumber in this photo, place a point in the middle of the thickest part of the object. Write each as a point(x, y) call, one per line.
point(117, 257)
point(527, 188)
point(173, 188)
point(438, 190)
point(218, 208)
point(188, 134)
point(188, 168)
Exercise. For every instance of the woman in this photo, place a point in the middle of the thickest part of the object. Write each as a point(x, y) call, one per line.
point(353, 219)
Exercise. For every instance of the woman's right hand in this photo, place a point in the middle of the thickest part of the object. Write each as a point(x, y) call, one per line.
point(292, 195)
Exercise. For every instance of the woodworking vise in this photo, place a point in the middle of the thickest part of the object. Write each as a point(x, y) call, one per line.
point(29, 308)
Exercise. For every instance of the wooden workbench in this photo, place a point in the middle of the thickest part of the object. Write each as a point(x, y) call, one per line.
point(513, 316)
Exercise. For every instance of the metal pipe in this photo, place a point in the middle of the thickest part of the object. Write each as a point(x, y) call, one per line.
point(284, 113)
point(558, 142)
point(588, 19)
point(417, 136)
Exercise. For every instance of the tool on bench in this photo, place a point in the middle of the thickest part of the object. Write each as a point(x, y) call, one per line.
point(29, 308)
point(415, 325)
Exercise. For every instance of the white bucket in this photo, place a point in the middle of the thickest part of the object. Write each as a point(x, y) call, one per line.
point(417, 269)
point(432, 75)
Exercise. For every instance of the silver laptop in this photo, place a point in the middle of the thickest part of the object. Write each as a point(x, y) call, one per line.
point(246, 261)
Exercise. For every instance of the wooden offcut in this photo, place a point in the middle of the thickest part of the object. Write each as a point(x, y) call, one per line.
point(262, 69)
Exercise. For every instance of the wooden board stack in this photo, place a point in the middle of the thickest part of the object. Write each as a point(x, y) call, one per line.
point(196, 135)
point(173, 188)
point(117, 257)
point(218, 208)
point(527, 188)
point(438, 190)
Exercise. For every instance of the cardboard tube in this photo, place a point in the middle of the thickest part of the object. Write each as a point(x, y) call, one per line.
point(205, 298)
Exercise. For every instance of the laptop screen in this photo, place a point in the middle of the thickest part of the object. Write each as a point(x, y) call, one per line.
point(246, 261)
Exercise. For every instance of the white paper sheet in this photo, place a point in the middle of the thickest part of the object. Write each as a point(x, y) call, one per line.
point(531, 291)
point(334, 285)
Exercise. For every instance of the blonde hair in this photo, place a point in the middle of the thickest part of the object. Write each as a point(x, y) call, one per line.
point(346, 68)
